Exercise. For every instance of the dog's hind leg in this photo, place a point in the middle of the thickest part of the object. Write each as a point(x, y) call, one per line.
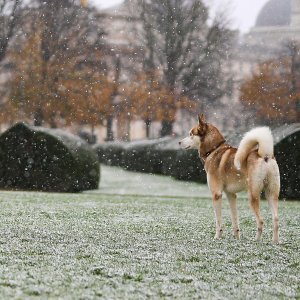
point(273, 203)
point(254, 200)
point(255, 179)
point(272, 194)
point(234, 215)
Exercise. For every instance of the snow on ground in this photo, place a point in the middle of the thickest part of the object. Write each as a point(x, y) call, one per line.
point(118, 181)
point(126, 242)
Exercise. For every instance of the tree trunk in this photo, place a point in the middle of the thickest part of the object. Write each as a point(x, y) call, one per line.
point(110, 118)
point(127, 135)
point(53, 124)
point(166, 128)
point(93, 138)
point(52, 121)
point(38, 117)
point(148, 126)
point(109, 131)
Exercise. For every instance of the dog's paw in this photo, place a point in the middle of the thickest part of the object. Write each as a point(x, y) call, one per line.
point(236, 234)
point(218, 234)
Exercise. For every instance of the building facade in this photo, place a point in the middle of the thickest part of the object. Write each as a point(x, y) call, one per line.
point(277, 24)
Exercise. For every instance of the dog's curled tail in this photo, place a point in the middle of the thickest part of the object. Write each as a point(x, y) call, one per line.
point(258, 138)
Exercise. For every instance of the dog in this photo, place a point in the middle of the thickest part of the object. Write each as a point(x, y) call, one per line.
point(251, 167)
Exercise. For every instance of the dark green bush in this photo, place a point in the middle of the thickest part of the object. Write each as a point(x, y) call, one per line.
point(184, 165)
point(181, 164)
point(35, 158)
point(161, 156)
point(111, 153)
point(287, 153)
point(139, 156)
point(144, 157)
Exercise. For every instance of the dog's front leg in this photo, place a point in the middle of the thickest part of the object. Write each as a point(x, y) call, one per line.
point(217, 203)
point(234, 215)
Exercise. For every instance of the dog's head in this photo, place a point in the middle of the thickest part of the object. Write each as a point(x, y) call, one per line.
point(193, 141)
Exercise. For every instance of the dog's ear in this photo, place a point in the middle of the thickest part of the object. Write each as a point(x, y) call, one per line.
point(201, 119)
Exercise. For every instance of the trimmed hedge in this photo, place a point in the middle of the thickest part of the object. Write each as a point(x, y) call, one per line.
point(161, 156)
point(111, 153)
point(287, 153)
point(36, 158)
point(184, 165)
point(144, 156)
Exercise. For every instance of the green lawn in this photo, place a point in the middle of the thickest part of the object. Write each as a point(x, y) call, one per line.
point(141, 236)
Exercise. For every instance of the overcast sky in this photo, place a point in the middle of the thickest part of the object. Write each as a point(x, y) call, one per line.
point(243, 12)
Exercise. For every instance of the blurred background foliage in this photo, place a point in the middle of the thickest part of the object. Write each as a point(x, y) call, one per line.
point(58, 68)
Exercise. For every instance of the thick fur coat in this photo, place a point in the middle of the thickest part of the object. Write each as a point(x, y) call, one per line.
point(251, 167)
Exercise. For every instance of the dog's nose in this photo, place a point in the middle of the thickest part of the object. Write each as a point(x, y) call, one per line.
point(179, 143)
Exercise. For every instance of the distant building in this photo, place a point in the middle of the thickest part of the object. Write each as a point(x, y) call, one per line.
point(277, 23)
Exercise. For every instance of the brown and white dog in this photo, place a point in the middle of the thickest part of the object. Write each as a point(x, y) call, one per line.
point(251, 167)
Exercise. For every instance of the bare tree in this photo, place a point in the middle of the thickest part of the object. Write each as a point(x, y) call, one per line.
point(110, 118)
point(189, 52)
point(294, 54)
point(69, 31)
point(8, 21)
point(9, 13)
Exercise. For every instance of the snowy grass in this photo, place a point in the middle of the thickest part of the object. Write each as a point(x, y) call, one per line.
point(141, 236)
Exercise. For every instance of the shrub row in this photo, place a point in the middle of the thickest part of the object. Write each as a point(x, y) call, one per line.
point(161, 156)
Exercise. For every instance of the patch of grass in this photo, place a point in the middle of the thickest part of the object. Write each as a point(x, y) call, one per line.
point(8, 284)
point(128, 244)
